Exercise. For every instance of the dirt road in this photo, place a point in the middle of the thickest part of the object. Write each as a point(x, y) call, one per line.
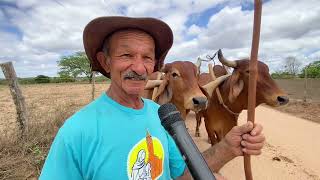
point(291, 151)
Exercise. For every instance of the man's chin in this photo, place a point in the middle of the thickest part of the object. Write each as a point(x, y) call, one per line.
point(135, 91)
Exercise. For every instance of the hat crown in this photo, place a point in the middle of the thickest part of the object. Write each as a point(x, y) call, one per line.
point(98, 29)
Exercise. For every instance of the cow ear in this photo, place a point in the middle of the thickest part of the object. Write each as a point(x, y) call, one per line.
point(236, 86)
point(164, 93)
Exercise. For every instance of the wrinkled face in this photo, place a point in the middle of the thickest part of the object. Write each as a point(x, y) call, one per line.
point(183, 81)
point(131, 58)
point(267, 90)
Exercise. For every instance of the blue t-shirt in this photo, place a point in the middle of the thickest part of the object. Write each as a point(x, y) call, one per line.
point(106, 140)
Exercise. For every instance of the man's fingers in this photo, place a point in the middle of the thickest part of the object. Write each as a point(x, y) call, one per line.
point(256, 130)
point(245, 128)
point(255, 146)
point(254, 139)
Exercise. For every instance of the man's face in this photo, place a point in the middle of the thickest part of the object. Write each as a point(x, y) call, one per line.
point(131, 60)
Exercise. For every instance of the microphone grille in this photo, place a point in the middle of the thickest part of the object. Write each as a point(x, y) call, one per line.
point(168, 115)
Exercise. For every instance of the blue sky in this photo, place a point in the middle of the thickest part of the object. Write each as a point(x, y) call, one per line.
point(35, 34)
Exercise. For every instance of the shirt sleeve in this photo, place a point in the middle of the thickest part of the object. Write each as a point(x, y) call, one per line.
point(177, 164)
point(62, 161)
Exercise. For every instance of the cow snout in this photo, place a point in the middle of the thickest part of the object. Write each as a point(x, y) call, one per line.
point(200, 102)
point(283, 100)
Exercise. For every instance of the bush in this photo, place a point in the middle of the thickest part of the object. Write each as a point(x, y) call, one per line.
point(282, 75)
point(312, 70)
point(27, 80)
point(42, 79)
point(62, 79)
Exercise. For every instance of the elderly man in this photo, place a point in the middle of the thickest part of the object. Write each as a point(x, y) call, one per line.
point(119, 135)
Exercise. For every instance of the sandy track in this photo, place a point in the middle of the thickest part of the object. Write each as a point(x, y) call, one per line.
point(291, 151)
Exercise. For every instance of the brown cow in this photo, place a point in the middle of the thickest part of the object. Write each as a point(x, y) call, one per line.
point(179, 85)
point(219, 118)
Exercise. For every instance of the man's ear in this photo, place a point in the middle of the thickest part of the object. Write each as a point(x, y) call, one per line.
point(104, 61)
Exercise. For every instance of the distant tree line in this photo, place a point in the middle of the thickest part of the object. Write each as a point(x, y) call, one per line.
point(292, 68)
point(72, 68)
point(76, 68)
point(46, 79)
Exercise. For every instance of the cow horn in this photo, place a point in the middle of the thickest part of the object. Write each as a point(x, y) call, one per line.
point(211, 86)
point(152, 83)
point(198, 63)
point(226, 62)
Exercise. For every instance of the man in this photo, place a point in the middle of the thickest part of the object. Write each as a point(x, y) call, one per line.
point(119, 135)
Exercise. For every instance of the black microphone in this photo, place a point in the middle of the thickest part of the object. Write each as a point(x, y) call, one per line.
point(172, 121)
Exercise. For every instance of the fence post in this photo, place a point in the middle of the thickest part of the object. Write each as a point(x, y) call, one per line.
point(22, 117)
point(305, 85)
point(93, 83)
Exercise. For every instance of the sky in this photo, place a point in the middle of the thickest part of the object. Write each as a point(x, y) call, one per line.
point(35, 34)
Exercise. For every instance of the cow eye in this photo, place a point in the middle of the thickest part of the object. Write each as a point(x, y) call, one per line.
point(247, 71)
point(175, 75)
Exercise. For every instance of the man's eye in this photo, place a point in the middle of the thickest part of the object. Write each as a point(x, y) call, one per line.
point(148, 58)
point(125, 55)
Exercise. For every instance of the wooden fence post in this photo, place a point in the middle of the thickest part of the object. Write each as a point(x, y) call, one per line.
point(22, 117)
point(305, 93)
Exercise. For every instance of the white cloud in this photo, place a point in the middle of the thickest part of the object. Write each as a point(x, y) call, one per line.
point(194, 30)
point(52, 28)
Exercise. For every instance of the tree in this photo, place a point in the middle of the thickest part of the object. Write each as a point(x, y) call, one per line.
point(292, 65)
point(312, 70)
point(42, 79)
point(75, 66)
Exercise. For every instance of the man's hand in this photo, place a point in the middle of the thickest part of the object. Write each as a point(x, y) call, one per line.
point(247, 138)
point(242, 139)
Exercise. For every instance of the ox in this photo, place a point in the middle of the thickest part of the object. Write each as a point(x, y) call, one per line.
point(220, 118)
point(179, 85)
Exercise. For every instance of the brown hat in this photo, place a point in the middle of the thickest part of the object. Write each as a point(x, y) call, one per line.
point(98, 29)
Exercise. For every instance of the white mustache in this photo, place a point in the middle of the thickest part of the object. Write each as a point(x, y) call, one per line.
point(133, 75)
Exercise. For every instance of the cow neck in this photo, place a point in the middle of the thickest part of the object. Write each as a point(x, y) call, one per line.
point(231, 108)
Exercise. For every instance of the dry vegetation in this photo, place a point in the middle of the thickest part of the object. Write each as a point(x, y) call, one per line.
point(48, 106)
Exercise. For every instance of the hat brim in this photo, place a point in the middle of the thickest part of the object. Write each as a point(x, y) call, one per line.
point(98, 29)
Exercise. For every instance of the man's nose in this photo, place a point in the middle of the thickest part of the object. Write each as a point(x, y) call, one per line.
point(138, 65)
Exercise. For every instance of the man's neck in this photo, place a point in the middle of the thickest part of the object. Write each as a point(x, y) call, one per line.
point(131, 101)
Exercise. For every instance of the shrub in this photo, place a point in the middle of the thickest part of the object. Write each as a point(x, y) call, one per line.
point(42, 79)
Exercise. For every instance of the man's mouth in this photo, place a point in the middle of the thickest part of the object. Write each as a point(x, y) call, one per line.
point(134, 78)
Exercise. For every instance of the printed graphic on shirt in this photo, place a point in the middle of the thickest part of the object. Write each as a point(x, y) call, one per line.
point(145, 160)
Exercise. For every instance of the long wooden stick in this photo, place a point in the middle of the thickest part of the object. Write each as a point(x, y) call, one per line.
point(253, 69)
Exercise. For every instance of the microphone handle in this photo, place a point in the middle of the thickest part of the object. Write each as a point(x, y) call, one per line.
point(193, 158)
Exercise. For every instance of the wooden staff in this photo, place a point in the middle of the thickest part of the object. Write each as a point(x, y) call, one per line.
point(253, 69)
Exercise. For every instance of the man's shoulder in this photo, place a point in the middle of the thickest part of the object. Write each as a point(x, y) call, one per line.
point(83, 118)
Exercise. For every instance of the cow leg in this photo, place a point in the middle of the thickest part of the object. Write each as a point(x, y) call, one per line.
point(198, 119)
